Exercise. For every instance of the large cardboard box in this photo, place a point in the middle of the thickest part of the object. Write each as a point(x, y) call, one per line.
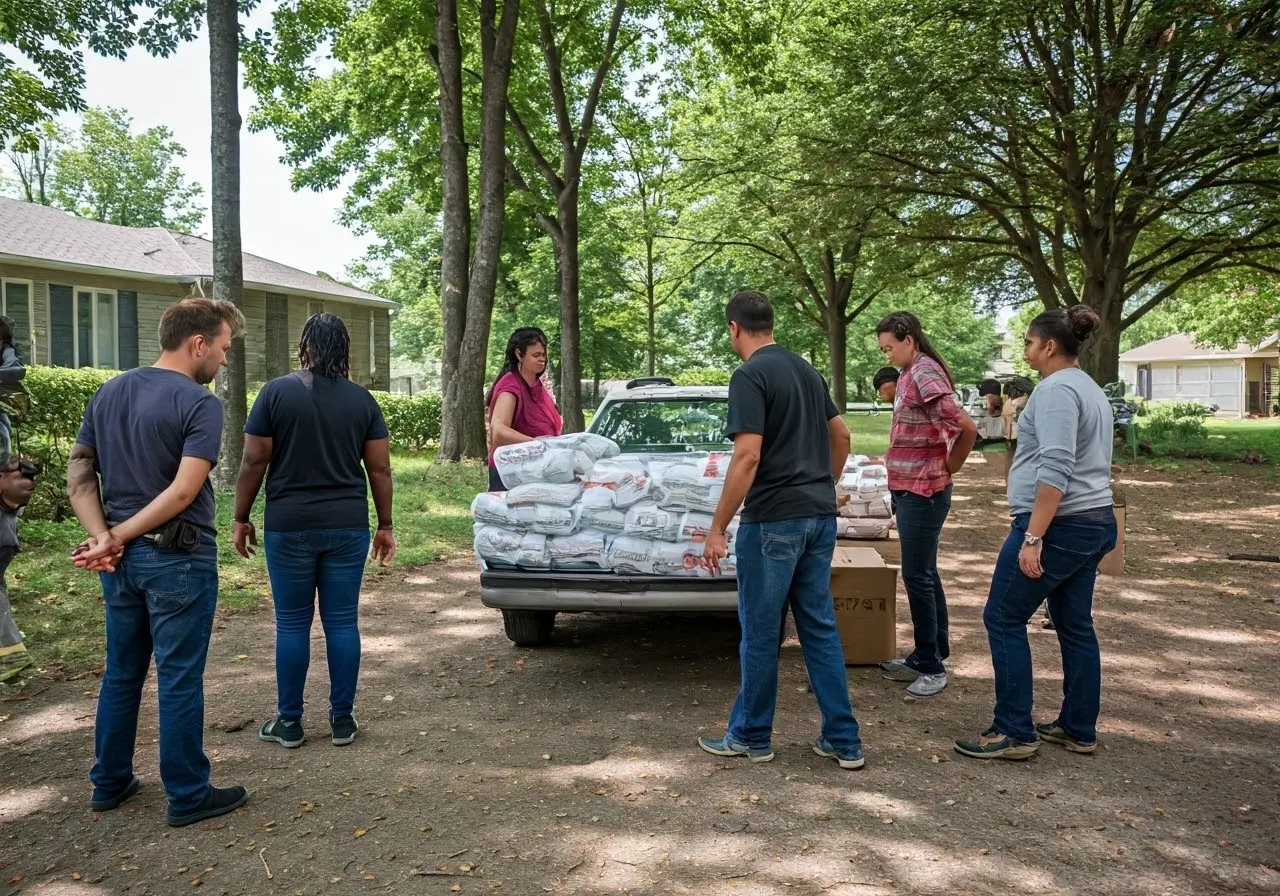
point(864, 591)
point(1113, 563)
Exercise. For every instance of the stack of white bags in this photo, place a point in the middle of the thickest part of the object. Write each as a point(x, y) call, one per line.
point(865, 508)
point(575, 503)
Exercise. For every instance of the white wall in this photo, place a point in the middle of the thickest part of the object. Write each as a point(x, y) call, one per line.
point(1209, 381)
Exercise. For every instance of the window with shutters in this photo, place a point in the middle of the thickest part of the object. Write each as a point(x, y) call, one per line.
point(16, 300)
point(373, 343)
point(84, 327)
point(277, 350)
point(314, 307)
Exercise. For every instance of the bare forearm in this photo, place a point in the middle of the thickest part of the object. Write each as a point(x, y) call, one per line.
point(164, 507)
point(738, 481)
point(840, 446)
point(248, 484)
point(380, 485)
point(85, 495)
point(1042, 512)
point(505, 435)
point(960, 450)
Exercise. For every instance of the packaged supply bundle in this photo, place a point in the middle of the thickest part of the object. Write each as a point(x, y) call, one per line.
point(626, 555)
point(583, 551)
point(594, 446)
point(556, 495)
point(537, 462)
point(545, 519)
point(648, 520)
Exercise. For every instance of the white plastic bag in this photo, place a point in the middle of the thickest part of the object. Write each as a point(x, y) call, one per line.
point(648, 520)
point(606, 519)
point(490, 508)
point(498, 547)
point(864, 528)
point(554, 494)
point(546, 519)
point(681, 559)
point(584, 551)
point(715, 465)
point(527, 462)
point(630, 556)
point(532, 553)
point(590, 444)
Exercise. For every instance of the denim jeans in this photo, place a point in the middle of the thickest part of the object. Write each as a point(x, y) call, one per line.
point(920, 522)
point(160, 602)
point(328, 562)
point(1073, 547)
point(783, 564)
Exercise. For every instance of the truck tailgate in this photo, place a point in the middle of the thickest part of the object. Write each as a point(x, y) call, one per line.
point(583, 592)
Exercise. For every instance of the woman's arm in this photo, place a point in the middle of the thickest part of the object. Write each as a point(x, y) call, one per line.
point(949, 414)
point(500, 430)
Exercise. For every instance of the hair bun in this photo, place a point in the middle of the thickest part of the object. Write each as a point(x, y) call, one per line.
point(1083, 321)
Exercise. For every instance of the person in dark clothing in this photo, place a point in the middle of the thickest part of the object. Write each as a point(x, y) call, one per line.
point(316, 436)
point(17, 483)
point(885, 383)
point(790, 446)
point(154, 433)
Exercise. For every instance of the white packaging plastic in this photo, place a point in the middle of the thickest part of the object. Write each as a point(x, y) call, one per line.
point(556, 495)
point(716, 465)
point(527, 462)
point(490, 509)
point(630, 556)
point(590, 444)
point(546, 519)
point(605, 519)
point(599, 496)
point(583, 551)
point(680, 559)
point(864, 528)
point(648, 520)
point(532, 553)
point(498, 547)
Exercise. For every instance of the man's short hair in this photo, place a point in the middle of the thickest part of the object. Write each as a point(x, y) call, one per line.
point(750, 310)
point(884, 375)
point(196, 316)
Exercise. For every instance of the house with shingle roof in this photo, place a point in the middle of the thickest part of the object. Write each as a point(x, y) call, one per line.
point(86, 294)
point(1239, 382)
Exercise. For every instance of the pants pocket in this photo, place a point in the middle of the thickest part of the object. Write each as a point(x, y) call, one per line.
point(777, 546)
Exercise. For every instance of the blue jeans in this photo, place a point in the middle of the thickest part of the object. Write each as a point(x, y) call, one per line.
point(780, 564)
point(920, 523)
point(159, 602)
point(301, 564)
point(1073, 547)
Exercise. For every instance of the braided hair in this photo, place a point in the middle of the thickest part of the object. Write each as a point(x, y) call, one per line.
point(518, 344)
point(325, 347)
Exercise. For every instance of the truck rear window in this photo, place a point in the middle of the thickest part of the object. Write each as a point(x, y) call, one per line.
point(664, 424)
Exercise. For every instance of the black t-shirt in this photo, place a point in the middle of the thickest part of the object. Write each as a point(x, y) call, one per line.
point(778, 395)
point(318, 427)
point(141, 424)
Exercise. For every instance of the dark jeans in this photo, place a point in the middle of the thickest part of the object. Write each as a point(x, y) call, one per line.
point(328, 562)
point(159, 602)
point(495, 481)
point(920, 522)
point(1073, 547)
point(785, 564)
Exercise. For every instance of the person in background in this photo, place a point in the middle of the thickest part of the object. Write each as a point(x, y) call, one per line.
point(1063, 525)
point(317, 437)
point(154, 434)
point(928, 442)
point(789, 449)
point(521, 408)
point(17, 483)
point(11, 371)
point(885, 383)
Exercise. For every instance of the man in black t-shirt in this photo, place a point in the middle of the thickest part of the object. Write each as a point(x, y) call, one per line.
point(790, 446)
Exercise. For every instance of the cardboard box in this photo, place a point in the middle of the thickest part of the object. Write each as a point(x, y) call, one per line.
point(864, 591)
point(1113, 563)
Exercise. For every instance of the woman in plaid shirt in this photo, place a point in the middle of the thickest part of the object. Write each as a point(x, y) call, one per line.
point(929, 439)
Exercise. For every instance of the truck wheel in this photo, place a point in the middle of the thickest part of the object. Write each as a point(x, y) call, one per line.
point(529, 628)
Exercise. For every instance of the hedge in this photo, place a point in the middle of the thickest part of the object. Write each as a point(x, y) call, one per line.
point(58, 396)
point(706, 376)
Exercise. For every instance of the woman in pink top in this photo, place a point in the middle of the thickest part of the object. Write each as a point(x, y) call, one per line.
point(520, 407)
point(928, 441)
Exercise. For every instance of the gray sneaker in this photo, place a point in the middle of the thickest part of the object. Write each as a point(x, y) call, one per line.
point(928, 685)
point(898, 670)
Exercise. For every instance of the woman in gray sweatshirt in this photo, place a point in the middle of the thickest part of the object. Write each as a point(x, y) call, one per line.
point(1063, 525)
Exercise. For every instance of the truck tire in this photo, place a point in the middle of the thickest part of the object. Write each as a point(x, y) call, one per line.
point(529, 628)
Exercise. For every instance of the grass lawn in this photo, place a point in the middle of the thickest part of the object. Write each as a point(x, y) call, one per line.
point(59, 607)
point(1238, 435)
point(870, 432)
point(1227, 442)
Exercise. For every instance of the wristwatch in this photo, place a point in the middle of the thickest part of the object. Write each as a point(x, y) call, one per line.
point(1032, 540)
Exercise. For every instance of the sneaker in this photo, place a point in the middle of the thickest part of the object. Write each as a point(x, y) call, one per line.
point(928, 685)
point(991, 744)
point(847, 758)
point(285, 733)
point(898, 670)
point(1056, 734)
point(220, 801)
point(115, 802)
point(726, 746)
point(344, 730)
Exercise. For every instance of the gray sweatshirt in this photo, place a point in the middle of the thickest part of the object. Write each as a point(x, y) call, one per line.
point(1064, 441)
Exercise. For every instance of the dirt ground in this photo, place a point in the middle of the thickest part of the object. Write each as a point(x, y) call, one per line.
point(482, 768)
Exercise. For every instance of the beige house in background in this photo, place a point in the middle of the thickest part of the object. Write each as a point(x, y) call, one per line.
point(1241, 382)
point(86, 294)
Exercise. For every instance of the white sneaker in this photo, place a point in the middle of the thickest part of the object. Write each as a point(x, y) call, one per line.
point(927, 685)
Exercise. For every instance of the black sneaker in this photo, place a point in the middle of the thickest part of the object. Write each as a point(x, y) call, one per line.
point(286, 734)
point(344, 730)
point(115, 802)
point(993, 744)
point(220, 801)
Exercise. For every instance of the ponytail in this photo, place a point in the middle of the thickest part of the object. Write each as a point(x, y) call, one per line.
point(902, 324)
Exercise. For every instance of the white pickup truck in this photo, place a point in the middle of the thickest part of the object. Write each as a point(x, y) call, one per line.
point(647, 416)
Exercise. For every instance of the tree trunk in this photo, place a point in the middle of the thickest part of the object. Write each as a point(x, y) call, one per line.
point(838, 349)
point(570, 338)
point(456, 242)
point(228, 259)
point(653, 310)
point(1101, 356)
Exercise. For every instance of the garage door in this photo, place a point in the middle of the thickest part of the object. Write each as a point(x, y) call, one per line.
point(1194, 383)
point(1163, 383)
point(1224, 387)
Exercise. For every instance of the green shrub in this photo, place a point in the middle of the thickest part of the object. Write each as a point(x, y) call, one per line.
point(1175, 421)
point(57, 397)
point(413, 420)
point(705, 376)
